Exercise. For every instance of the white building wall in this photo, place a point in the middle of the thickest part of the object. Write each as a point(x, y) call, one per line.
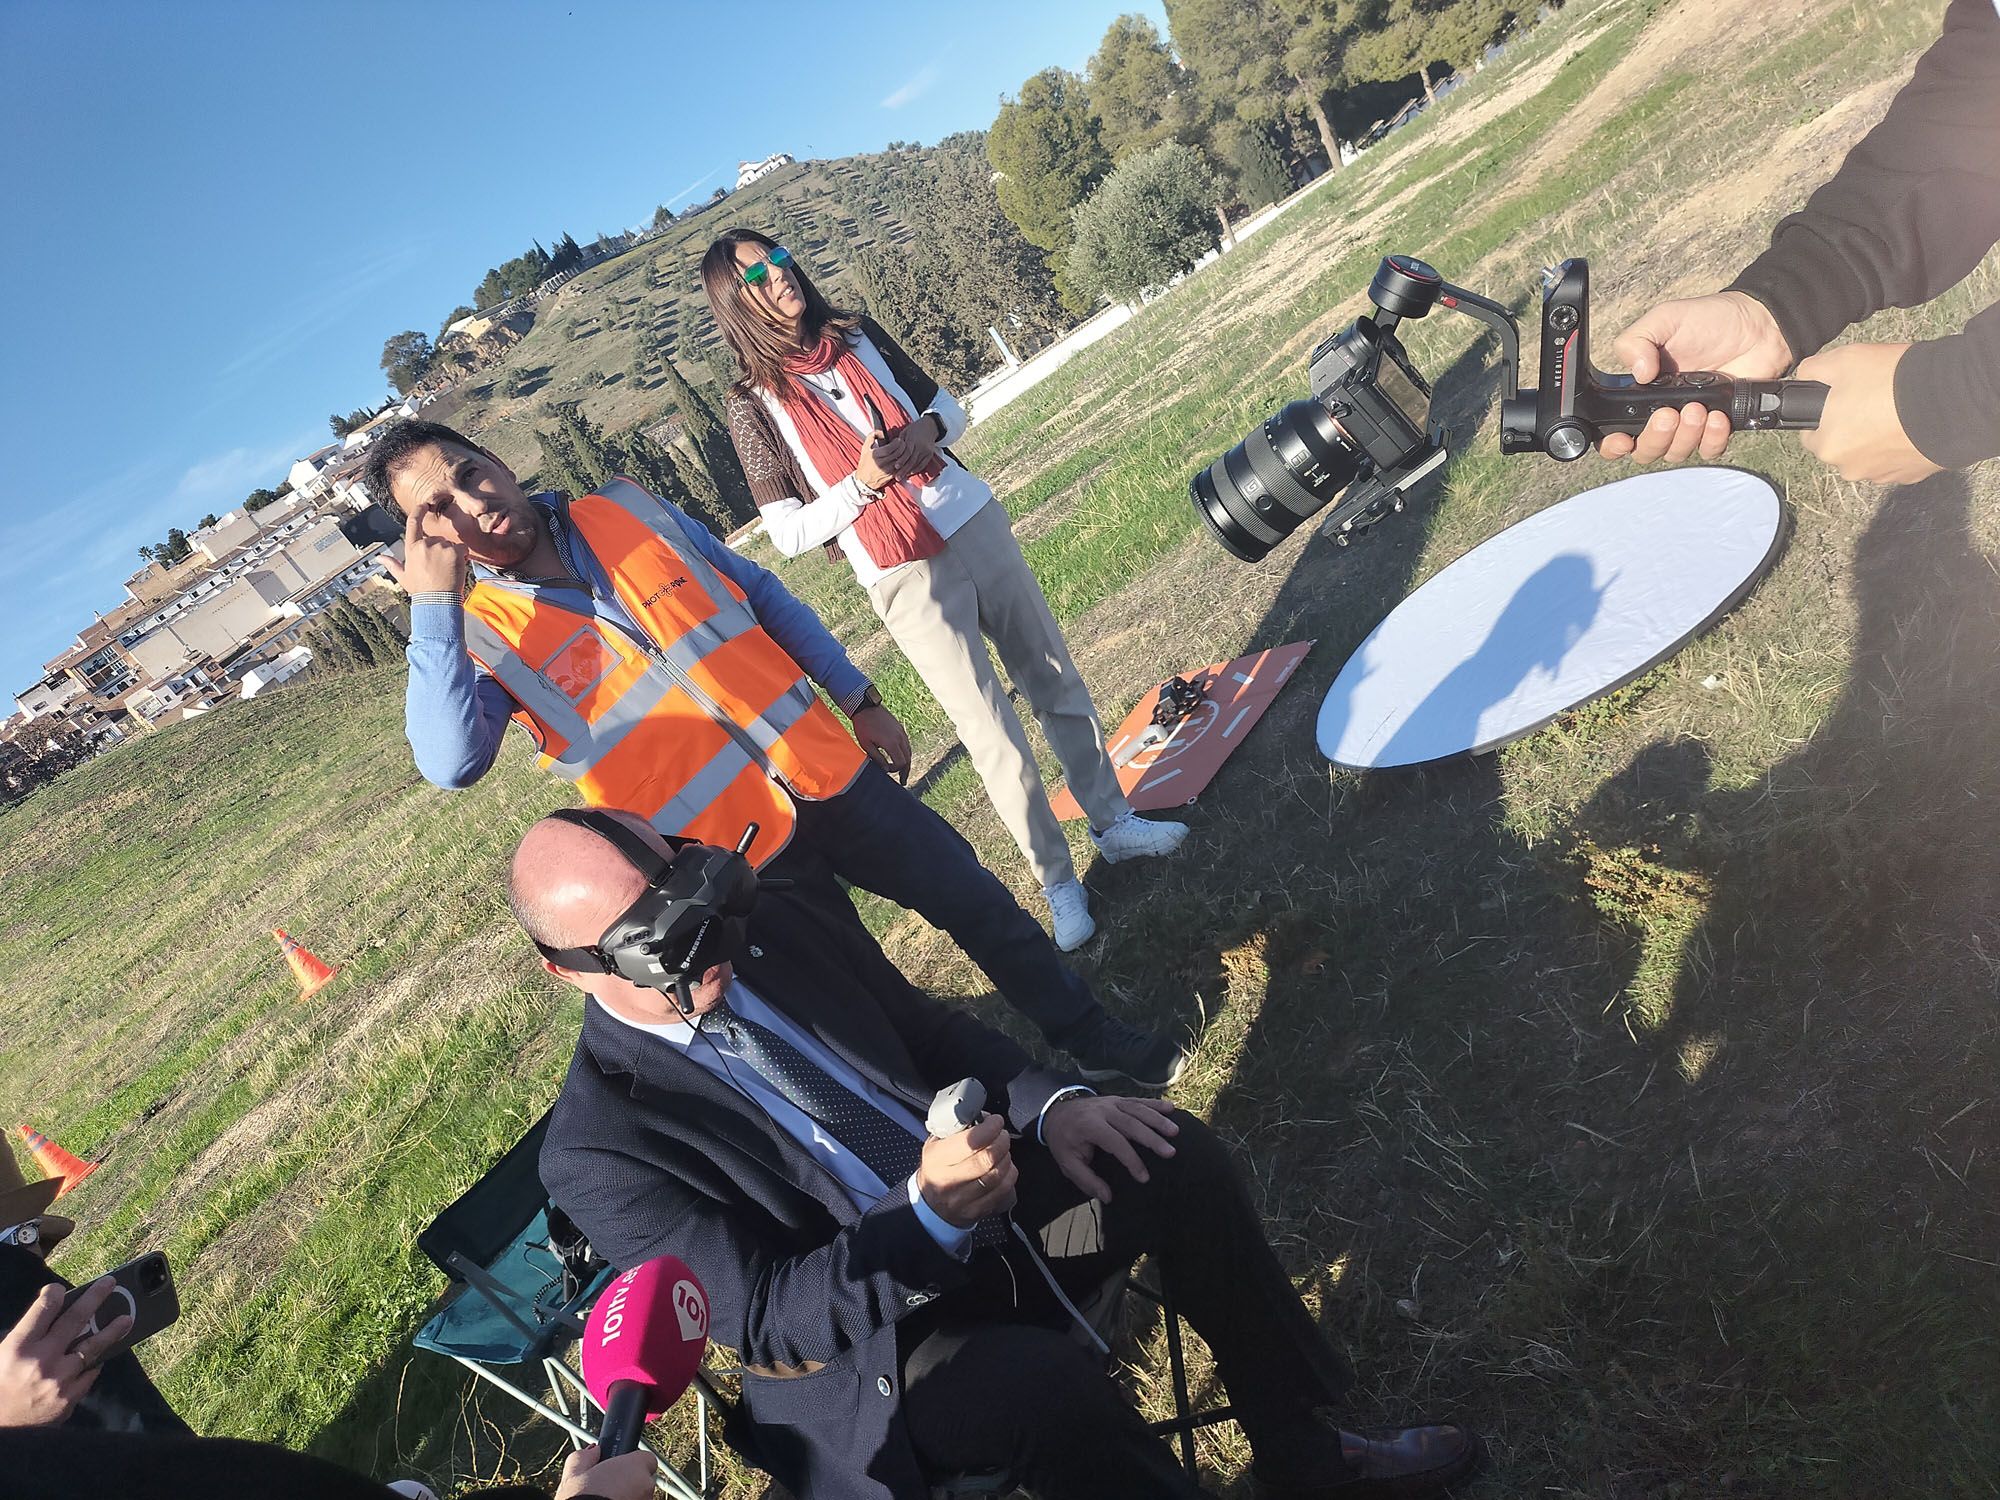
point(213, 628)
point(225, 536)
point(43, 699)
point(318, 552)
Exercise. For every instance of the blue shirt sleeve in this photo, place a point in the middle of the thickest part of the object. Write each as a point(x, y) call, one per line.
point(950, 1238)
point(788, 621)
point(454, 714)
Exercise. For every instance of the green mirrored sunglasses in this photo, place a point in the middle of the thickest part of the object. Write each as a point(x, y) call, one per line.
point(754, 273)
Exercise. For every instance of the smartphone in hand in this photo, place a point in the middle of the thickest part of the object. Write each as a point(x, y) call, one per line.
point(145, 1289)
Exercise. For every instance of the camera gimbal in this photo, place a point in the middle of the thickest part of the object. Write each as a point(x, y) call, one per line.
point(1367, 427)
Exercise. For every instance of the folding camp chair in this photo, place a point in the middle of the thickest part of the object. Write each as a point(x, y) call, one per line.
point(507, 1306)
point(507, 1309)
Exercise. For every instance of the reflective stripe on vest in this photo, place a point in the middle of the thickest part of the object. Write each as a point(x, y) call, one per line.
point(694, 727)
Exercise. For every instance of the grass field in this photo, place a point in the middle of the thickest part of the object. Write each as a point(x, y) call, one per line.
point(1630, 1093)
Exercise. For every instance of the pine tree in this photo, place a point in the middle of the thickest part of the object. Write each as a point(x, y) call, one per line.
point(723, 371)
point(1045, 146)
point(343, 625)
point(1267, 59)
point(1140, 93)
point(593, 458)
point(339, 618)
point(384, 647)
point(652, 467)
point(1255, 164)
point(330, 653)
point(702, 492)
point(708, 438)
point(1400, 37)
point(561, 469)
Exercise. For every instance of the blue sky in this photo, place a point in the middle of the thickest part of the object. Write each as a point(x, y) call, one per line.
point(217, 212)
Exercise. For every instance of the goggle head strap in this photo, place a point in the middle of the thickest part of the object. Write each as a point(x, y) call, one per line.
point(641, 855)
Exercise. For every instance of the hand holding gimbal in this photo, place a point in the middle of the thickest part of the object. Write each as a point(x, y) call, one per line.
point(1367, 430)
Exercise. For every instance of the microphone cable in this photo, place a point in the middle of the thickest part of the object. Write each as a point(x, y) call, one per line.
point(1097, 1342)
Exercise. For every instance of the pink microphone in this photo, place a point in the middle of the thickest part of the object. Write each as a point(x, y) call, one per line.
point(642, 1346)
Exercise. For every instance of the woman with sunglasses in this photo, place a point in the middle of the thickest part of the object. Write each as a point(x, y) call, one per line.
point(843, 439)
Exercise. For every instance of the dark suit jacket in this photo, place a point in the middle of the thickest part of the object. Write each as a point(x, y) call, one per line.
point(651, 1154)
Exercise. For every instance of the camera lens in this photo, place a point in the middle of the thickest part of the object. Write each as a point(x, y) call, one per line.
point(1255, 495)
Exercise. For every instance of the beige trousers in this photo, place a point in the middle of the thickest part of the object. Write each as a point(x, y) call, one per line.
point(938, 610)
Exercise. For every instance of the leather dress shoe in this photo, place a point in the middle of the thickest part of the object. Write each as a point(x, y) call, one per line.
point(1397, 1464)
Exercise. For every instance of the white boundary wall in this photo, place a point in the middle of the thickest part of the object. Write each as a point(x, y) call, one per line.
point(998, 389)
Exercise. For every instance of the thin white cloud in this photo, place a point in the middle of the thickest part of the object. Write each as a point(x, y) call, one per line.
point(65, 531)
point(698, 182)
point(232, 474)
point(88, 542)
point(323, 308)
point(919, 84)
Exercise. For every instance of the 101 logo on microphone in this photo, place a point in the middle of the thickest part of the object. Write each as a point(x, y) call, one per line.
point(690, 1310)
point(642, 1345)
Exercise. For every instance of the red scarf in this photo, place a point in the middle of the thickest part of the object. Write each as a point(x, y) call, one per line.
point(894, 529)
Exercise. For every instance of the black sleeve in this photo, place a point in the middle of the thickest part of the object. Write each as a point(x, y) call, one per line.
point(123, 1397)
point(918, 385)
point(1948, 393)
point(64, 1463)
point(779, 1300)
point(1913, 208)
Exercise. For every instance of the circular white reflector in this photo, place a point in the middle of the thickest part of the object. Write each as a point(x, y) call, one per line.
point(1556, 610)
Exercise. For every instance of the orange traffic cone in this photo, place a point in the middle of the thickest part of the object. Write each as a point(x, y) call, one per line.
point(54, 1161)
point(312, 975)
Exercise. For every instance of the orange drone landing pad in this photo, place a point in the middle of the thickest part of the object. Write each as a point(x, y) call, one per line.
point(1234, 697)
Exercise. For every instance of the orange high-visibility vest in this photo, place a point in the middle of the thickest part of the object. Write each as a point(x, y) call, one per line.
point(703, 728)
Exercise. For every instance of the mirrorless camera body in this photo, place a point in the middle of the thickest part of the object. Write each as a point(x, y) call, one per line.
point(1365, 436)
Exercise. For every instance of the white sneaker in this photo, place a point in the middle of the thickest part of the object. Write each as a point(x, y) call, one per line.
point(1133, 837)
point(1069, 910)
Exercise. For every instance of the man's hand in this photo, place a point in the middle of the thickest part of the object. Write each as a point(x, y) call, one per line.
point(629, 1476)
point(41, 1376)
point(872, 470)
point(1077, 1128)
point(1860, 433)
point(883, 738)
point(433, 557)
point(1731, 333)
point(911, 448)
point(968, 1176)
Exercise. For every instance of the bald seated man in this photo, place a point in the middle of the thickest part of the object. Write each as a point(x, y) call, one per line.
point(893, 1321)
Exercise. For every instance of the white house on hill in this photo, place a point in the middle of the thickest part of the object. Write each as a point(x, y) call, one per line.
point(748, 172)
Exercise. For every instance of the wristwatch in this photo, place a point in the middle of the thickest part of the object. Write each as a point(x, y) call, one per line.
point(871, 697)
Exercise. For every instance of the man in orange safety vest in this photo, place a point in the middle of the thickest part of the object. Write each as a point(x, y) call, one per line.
point(668, 676)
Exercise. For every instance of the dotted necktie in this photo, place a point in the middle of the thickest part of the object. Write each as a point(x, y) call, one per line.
point(888, 1149)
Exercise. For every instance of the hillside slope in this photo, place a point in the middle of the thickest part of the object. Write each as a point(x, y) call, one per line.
point(862, 225)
